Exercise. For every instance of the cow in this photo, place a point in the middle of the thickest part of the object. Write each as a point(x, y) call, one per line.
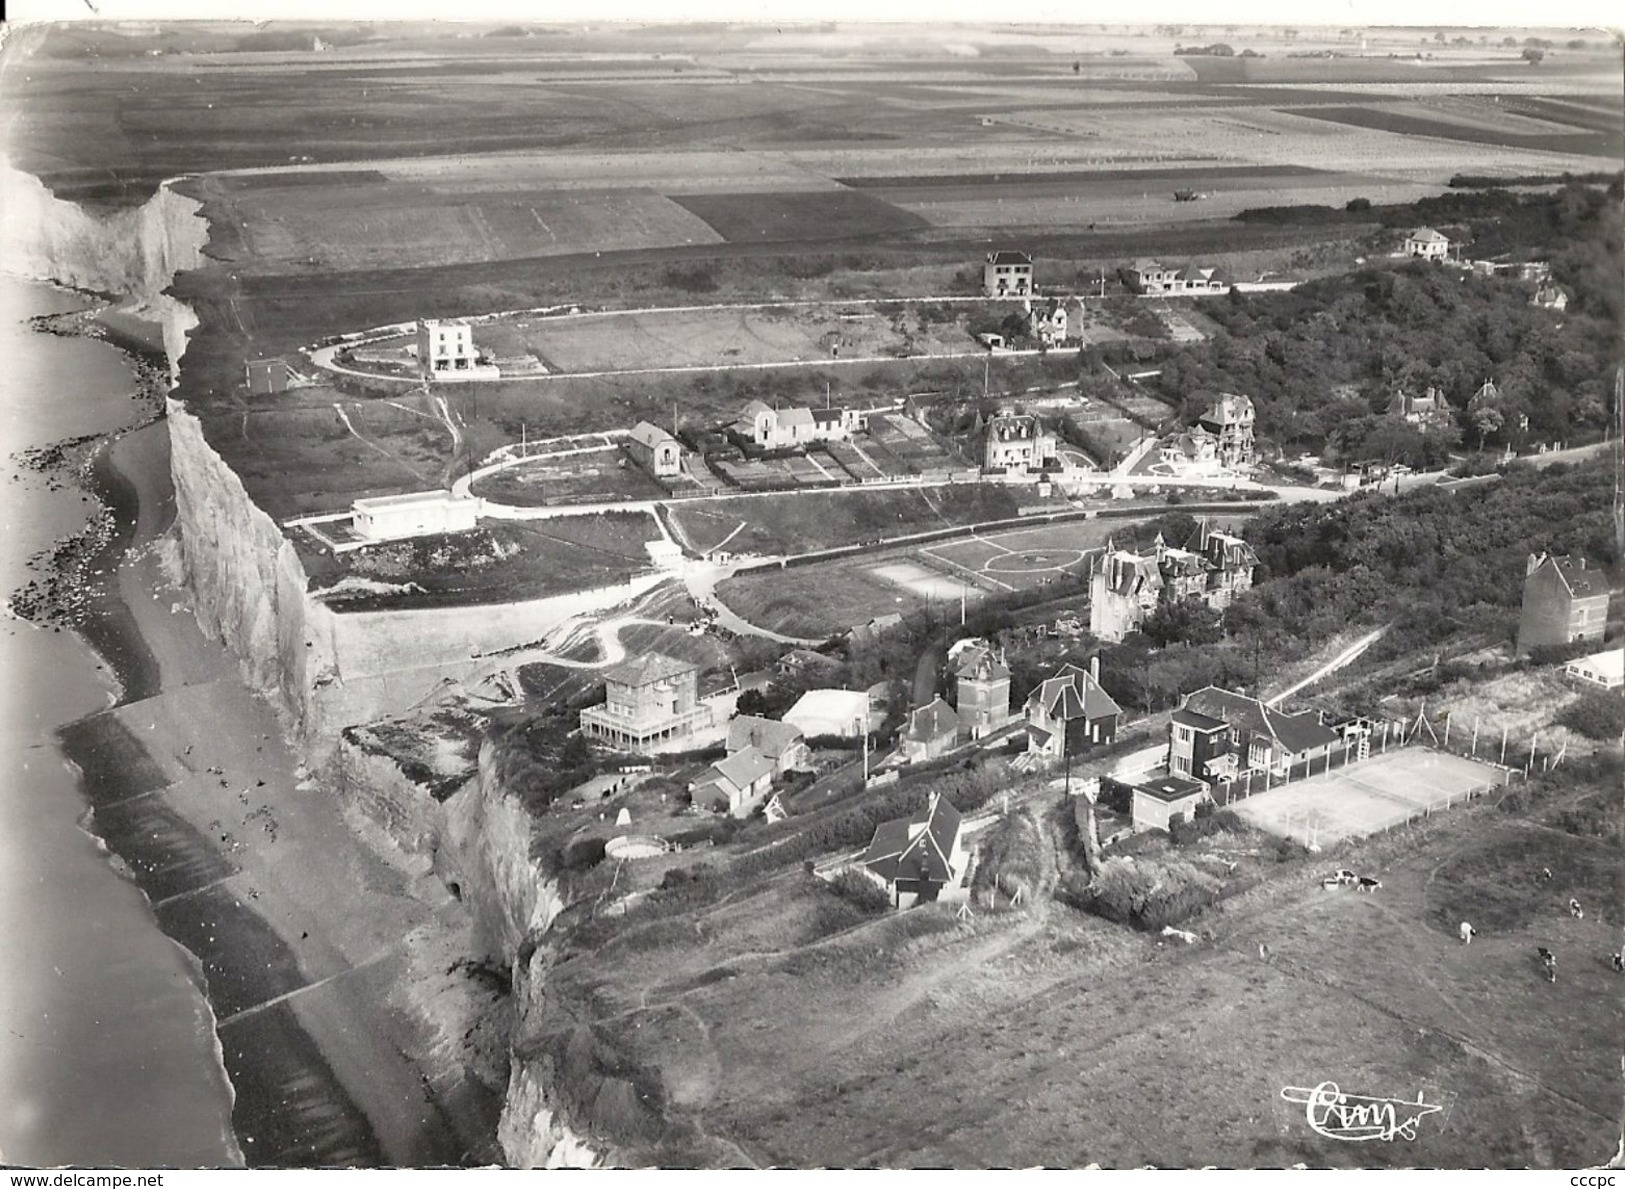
point(1368, 884)
point(1618, 961)
point(1548, 961)
point(1575, 910)
point(1187, 937)
point(1263, 951)
point(1344, 876)
point(1546, 873)
point(1467, 933)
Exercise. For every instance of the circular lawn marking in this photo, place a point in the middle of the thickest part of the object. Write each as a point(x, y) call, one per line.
point(1033, 561)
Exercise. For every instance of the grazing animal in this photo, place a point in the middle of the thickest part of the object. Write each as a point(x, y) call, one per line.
point(1546, 873)
point(1575, 910)
point(1618, 961)
point(1263, 951)
point(1467, 933)
point(1368, 884)
point(1344, 875)
point(1331, 881)
point(1184, 935)
point(1548, 960)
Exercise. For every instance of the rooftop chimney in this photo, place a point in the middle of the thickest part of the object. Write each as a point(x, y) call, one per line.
point(1094, 667)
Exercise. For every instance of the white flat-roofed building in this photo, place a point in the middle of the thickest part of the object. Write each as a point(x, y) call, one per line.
point(414, 514)
point(830, 712)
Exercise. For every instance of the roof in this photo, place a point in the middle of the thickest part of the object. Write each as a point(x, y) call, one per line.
point(1294, 732)
point(1582, 579)
point(407, 500)
point(268, 364)
point(1129, 573)
point(933, 721)
point(1171, 788)
point(1229, 409)
point(1197, 722)
point(980, 662)
point(1429, 236)
point(753, 410)
point(766, 735)
point(1607, 667)
point(918, 847)
point(827, 416)
point(1009, 258)
point(1489, 392)
point(1073, 693)
point(743, 768)
point(650, 435)
point(830, 711)
point(648, 669)
point(795, 416)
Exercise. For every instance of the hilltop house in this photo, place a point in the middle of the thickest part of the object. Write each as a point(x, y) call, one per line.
point(785, 429)
point(652, 705)
point(1216, 736)
point(981, 688)
point(921, 858)
point(267, 376)
point(1550, 297)
point(1016, 442)
point(1230, 420)
point(932, 730)
point(414, 514)
point(1564, 600)
point(1007, 274)
point(446, 351)
point(1150, 277)
point(1427, 244)
point(1125, 587)
point(1427, 412)
point(655, 450)
point(1046, 322)
point(735, 785)
point(1069, 712)
point(781, 742)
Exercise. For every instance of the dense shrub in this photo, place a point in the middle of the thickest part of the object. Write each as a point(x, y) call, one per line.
point(1146, 894)
point(1015, 858)
point(853, 885)
point(1597, 715)
point(1204, 824)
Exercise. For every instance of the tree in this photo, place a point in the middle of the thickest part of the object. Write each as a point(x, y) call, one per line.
point(1534, 55)
point(1187, 621)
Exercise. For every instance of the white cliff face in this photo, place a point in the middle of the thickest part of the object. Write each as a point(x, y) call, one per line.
point(132, 253)
point(321, 670)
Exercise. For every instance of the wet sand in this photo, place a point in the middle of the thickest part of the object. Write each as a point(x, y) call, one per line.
point(300, 928)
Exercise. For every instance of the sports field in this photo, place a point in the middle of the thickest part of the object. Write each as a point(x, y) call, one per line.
point(1367, 797)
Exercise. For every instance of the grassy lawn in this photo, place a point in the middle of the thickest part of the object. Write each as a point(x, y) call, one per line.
point(603, 476)
point(801, 1032)
point(809, 521)
point(500, 561)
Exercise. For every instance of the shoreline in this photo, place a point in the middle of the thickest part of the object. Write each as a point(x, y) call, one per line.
point(300, 1073)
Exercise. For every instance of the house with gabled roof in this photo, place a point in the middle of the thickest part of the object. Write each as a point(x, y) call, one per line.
point(1427, 411)
point(781, 742)
point(1007, 274)
point(932, 730)
point(651, 704)
point(981, 688)
point(1015, 441)
point(655, 450)
point(1427, 244)
point(1217, 735)
point(1564, 599)
point(1230, 562)
point(1046, 322)
point(1070, 712)
point(767, 428)
point(735, 785)
point(920, 858)
point(1126, 586)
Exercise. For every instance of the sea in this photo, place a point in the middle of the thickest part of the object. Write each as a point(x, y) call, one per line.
point(107, 1049)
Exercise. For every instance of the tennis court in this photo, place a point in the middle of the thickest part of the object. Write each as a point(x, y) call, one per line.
point(1368, 797)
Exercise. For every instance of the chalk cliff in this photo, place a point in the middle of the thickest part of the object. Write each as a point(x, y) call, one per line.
point(322, 670)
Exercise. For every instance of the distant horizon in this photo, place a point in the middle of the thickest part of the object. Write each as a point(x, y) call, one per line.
point(1047, 14)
